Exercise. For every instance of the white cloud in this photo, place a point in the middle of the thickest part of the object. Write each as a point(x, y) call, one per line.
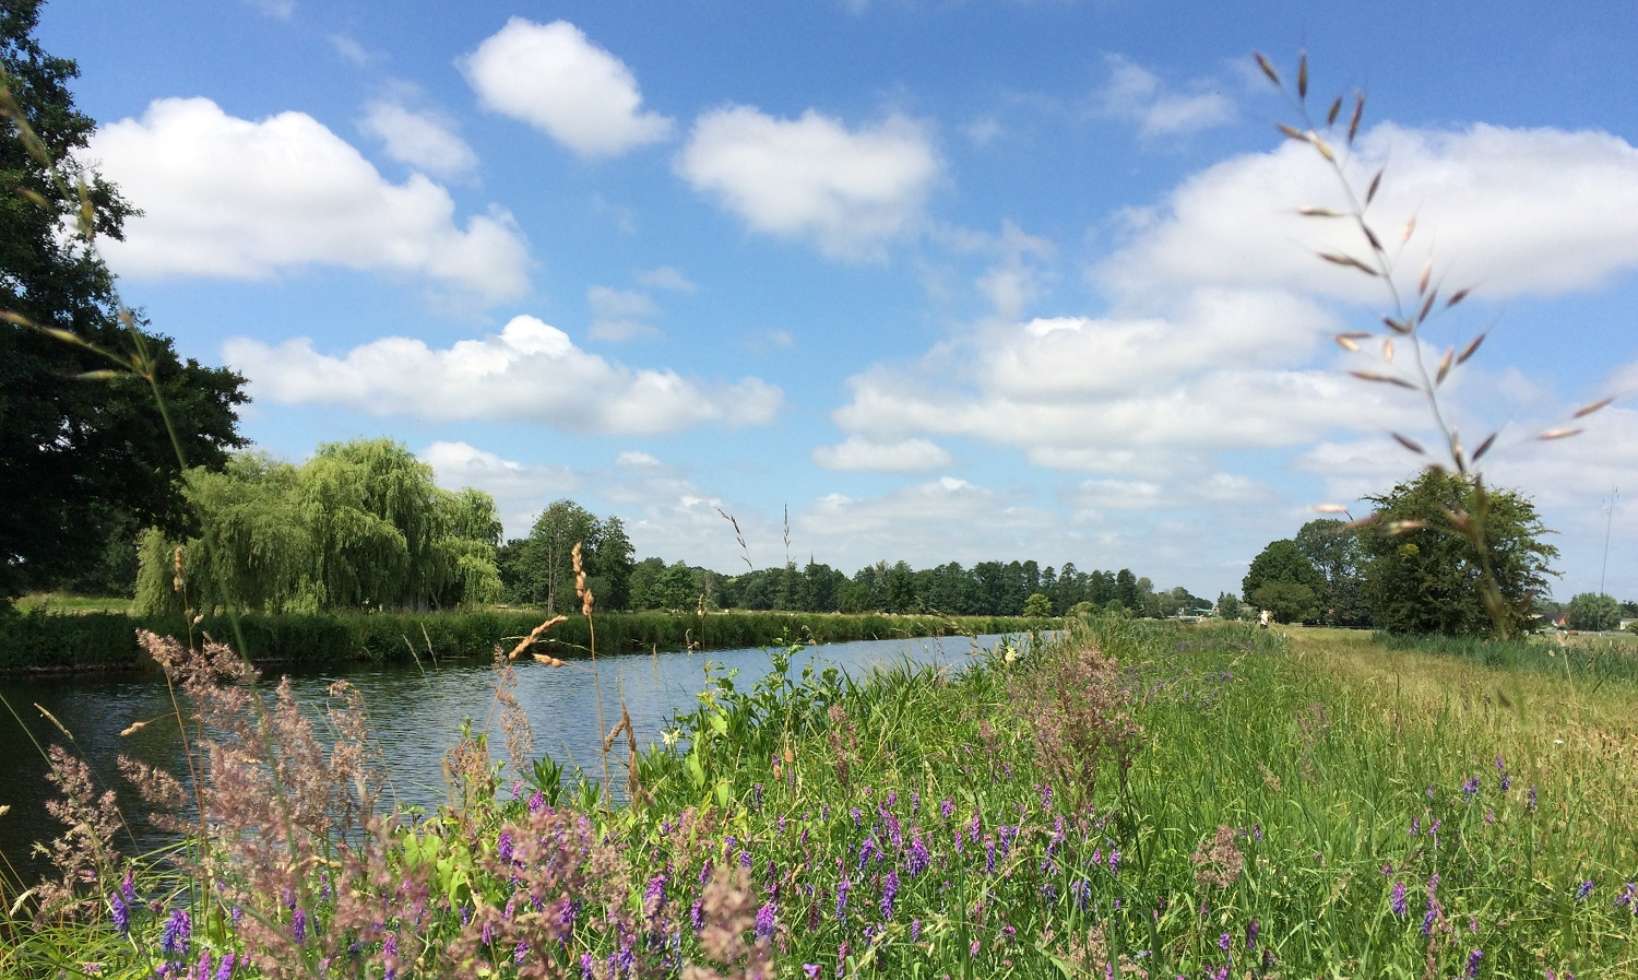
point(1515, 211)
point(351, 50)
point(276, 9)
point(520, 490)
point(554, 78)
point(1136, 94)
point(419, 139)
point(618, 315)
point(848, 190)
point(231, 198)
point(666, 277)
point(856, 453)
point(530, 371)
point(632, 457)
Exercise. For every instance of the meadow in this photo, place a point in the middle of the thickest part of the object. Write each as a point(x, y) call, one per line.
point(1134, 799)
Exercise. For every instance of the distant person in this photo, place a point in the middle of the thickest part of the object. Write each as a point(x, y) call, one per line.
point(1262, 619)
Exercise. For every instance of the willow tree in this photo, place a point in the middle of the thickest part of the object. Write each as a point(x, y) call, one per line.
point(361, 524)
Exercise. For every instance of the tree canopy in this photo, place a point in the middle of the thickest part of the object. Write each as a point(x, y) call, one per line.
point(82, 463)
point(1593, 611)
point(361, 524)
point(1428, 579)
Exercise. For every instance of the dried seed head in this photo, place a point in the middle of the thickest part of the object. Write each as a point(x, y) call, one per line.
point(1322, 147)
point(1312, 212)
point(1302, 76)
point(1348, 261)
point(1445, 364)
point(1405, 527)
point(1427, 306)
point(1563, 432)
point(1587, 410)
point(1409, 443)
point(1471, 349)
point(1370, 236)
point(1350, 340)
point(1375, 185)
point(1331, 114)
point(1484, 447)
point(132, 728)
point(1330, 509)
point(1382, 379)
point(1292, 133)
point(1387, 349)
point(1396, 326)
point(1353, 123)
point(1458, 296)
point(1410, 229)
point(1267, 68)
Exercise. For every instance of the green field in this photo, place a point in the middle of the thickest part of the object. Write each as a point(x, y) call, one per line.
point(1140, 799)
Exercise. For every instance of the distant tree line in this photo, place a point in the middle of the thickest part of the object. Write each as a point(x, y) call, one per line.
point(535, 570)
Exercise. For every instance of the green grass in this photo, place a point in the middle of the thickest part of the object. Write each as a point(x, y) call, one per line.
point(62, 602)
point(42, 640)
point(1327, 755)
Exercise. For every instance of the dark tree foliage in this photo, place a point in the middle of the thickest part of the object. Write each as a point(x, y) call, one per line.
point(1336, 553)
point(82, 463)
point(1432, 580)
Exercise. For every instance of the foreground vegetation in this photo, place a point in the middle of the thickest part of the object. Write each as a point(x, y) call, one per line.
point(43, 641)
point(1140, 799)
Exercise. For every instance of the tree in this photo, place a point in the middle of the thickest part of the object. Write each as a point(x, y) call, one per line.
point(1594, 611)
point(82, 463)
point(1335, 551)
point(1288, 602)
point(1228, 605)
point(1126, 589)
point(1037, 605)
point(1283, 561)
point(1431, 580)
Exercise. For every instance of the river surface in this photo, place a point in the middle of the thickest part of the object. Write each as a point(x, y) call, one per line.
point(414, 717)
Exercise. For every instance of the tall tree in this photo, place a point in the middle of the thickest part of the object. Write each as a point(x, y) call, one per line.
point(1593, 611)
point(1428, 580)
point(1283, 563)
point(81, 461)
point(1336, 552)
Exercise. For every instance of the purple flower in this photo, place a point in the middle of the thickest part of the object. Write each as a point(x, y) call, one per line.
point(1398, 900)
point(1473, 959)
point(915, 930)
point(696, 916)
point(973, 949)
point(853, 812)
point(224, 967)
point(127, 889)
point(1584, 890)
point(1252, 928)
point(520, 952)
point(989, 855)
point(765, 921)
point(654, 895)
point(298, 926)
point(1114, 862)
point(919, 858)
point(537, 801)
point(810, 971)
point(745, 860)
point(120, 912)
point(842, 887)
point(1530, 800)
point(945, 808)
point(178, 931)
point(1628, 895)
point(1470, 787)
point(1082, 891)
point(1224, 941)
point(503, 847)
point(588, 966)
point(1046, 796)
point(890, 891)
point(867, 850)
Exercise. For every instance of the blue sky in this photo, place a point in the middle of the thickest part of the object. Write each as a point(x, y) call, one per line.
point(952, 280)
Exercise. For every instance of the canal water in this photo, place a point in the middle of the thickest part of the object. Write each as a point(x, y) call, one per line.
point(415, 716)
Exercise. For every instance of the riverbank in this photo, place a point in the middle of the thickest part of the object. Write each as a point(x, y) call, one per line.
point(44, 642)
point(1209, 801)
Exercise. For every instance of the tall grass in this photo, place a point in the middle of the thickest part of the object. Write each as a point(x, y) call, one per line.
point(1322, 805)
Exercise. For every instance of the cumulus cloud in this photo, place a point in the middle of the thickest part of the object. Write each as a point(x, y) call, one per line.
point(1136, 94)
point(856, 453)
point(232, 198)
point(849, 190)
point(620, 314)
point(520, 490)
point(530, 371)
point(554, 78)
point(420, 139)
point(1514, 211)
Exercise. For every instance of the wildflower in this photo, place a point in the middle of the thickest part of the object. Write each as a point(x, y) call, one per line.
point(1046, 796)
point(120, 912)
point(696, 916)
point(972, 950)
point(1252, 928)
point(1224, 941)
point(989, 855)
point(1470, 787)
point(1627, 897)
point(178, 930)
point(224, 967)
point(127, 889)
point(765, 921)
point(810, 971)
point(745, 860)
point(1473, 959)
point(520, 952)
point(503, 847)
point(919, 858)
point(588, 966)
point(537, 801)
point(1530, 801)
point(1114, 862)
point(1584, 890)
point(298, 926)
point(842, 887)
point(654, 895)
point(890, 891)
point(866, 851)
point(1398, 900)
point(1082, 892)
point(945, 808)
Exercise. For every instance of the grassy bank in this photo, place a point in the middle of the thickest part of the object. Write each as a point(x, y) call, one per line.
point(45, 641)
point(1216, 801)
